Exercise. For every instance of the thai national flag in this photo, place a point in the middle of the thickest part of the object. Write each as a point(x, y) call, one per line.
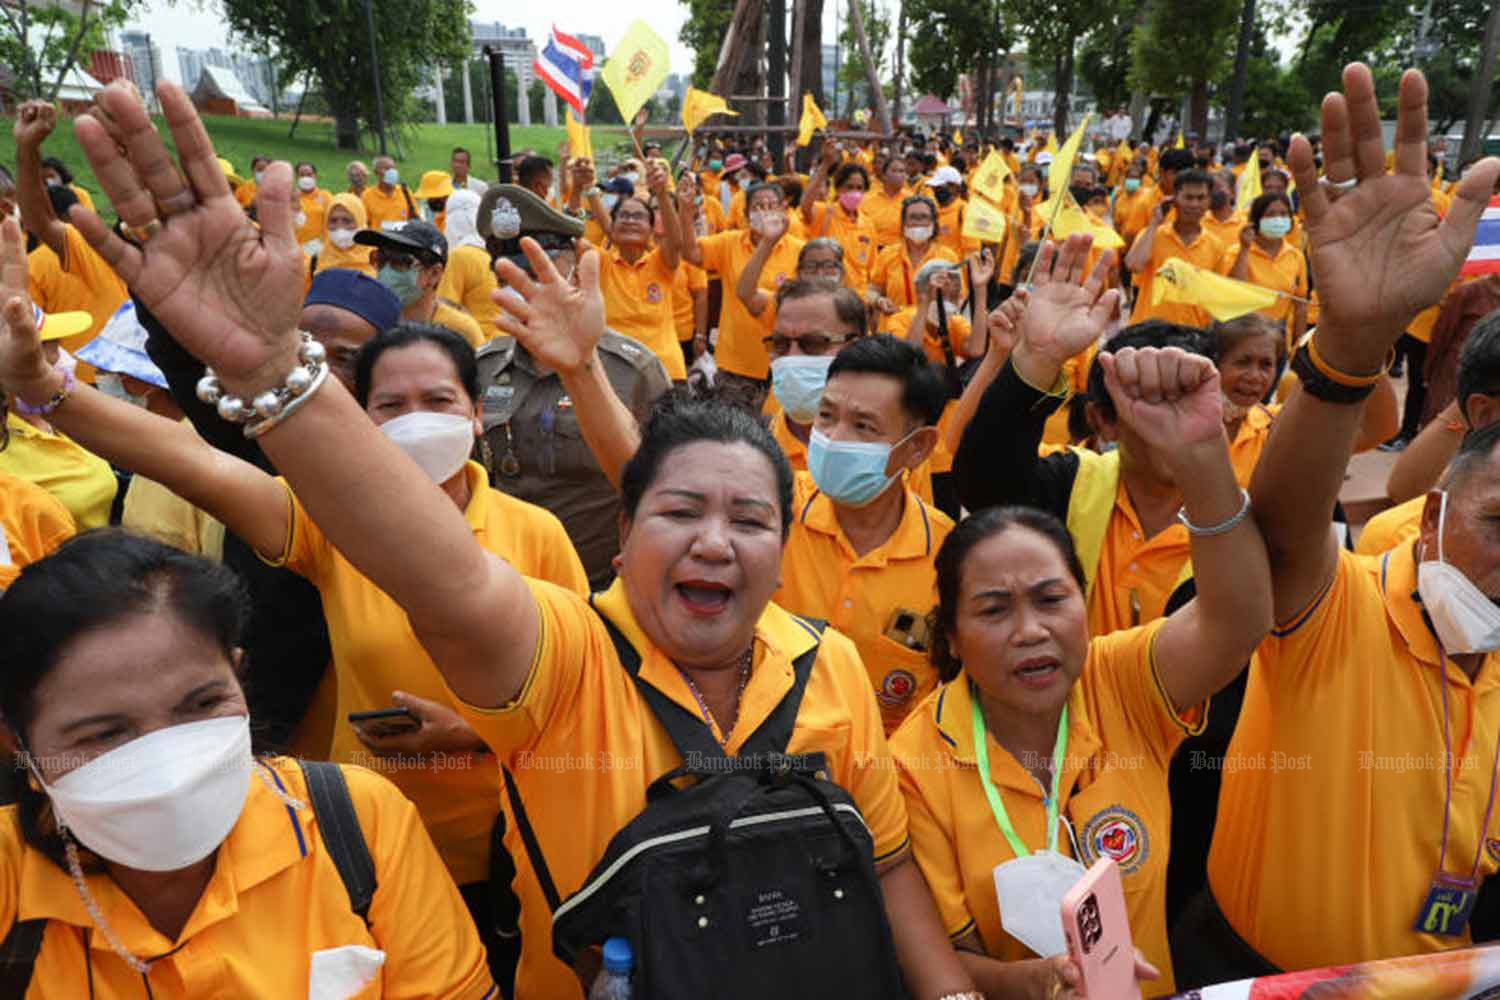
point(561, 66)
point(1484, 258)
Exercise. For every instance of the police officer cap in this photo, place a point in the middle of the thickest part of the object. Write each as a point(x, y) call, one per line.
point(507, 213)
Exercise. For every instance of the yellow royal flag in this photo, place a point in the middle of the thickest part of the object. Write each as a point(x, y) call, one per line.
point(580, 145)
point(636, 68)
point(1179, 144)
point(983, 222)
point(1060, 173)
point(989, 179)
point(697, 105)
point(1249, 188)
point(1070, 219)
point(1051, 146)
point(958, 137)
point(1224, 298)
point(812, 120)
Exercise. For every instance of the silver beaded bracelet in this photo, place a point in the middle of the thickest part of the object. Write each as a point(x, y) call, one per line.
point(1223, 527)
point(272, 406)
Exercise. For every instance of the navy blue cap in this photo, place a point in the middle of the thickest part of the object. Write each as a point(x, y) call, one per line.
point(357, 293)
point(618, 185)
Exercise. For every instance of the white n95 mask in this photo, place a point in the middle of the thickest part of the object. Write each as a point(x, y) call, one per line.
point(1462, 615)
point(439, 442)
point(160, 802)
point(1030, 892)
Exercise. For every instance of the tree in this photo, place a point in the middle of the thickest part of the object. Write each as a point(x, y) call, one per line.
point(852, 73)
point(1104, 59)
point(43, 41)
point(1053, 29)
point(944, 36)
point(331, 41)
point(536, 96)
point(703, 32)
point(1276, 102)
point(1181, 46)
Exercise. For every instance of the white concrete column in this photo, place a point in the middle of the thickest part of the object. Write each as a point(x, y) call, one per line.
point(468, 96)
point(437, 85)
point(549, 106)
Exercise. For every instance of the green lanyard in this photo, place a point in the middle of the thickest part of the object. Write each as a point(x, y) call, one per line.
point(997, 804)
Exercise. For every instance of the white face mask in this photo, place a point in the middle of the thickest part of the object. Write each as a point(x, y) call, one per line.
point(1463, 616)
point(439, 442)
point(163, 801)
point(1030, 891)
point(307, 183)
point(1029, 190)
point(917, 234)
point(341, 238)
point(760, 222)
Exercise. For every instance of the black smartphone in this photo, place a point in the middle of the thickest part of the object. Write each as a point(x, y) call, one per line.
point(391, 721)
point(381, 713)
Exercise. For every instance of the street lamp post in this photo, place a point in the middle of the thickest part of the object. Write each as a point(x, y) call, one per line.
point(375, 72)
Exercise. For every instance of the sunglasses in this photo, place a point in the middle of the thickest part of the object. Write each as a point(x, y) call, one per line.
point(808, 343)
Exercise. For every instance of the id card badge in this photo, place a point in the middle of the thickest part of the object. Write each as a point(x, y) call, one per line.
point(1445, 912)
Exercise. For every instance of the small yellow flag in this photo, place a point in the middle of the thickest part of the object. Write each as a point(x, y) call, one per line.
point(1051, 146)
point(983, 222)
point(1179, 144)
point(636, 68)
point(989, 179)
point(1249, 187)
point(958, 137)
point(697, 105)
point(1070, 219)
point(1224, 298)
point(812, 120)
point(580, 145)
point(1061, 171)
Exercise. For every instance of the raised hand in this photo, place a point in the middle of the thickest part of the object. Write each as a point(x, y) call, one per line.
point(23, 369)
point(981, 268)
point(557, 321)
point(1068, 310)
point(1170, 397)
point(35, 121)
point(1380, 254)
point(229, 292)
point(658, 177)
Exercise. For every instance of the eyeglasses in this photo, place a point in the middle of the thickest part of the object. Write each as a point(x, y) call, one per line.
point(808, 343)
point(395, 261)
point(822, 267)
point(633, 217)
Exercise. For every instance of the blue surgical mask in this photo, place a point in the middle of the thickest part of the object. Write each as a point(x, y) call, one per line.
point(1275, 226)
point(797, 383)
point(403, 283)
point(391, 176)
point(1132, 184)
point(849, 472)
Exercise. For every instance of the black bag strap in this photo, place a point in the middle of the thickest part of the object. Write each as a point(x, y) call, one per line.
point(528, 837)
point(18, 954)
point(339, 825)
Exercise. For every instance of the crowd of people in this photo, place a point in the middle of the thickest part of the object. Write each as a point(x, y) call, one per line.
point(387, 572)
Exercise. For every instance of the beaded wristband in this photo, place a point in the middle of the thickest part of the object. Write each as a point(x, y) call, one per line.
point(50, 406)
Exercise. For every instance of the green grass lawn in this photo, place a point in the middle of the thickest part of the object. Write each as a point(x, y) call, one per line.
point(239, 139)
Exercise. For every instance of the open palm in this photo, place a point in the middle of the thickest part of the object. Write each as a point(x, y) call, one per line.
point(228, 291)
point(1068, 310)
point(557, 321)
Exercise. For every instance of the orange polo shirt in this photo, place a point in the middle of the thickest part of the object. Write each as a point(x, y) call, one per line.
point(898, 324)
point(1330, 829)
point(33, 523)
point(894, 275)
point(950, 224)
point(1228, 231)
point(100, 287)
point(1250, 440)
point(638, 304)
point(689, 279)
point(863, 596)
point(1206, 251)
point(312, 208)
point(274, 909)
point(1135, 575)
point(1132, 210)
point(739, 349)
point(1392, 527)
point(384, 210)
point(583, 747)
point(1285, 272)
point(375, 652)
point(884, 213)
point(1122, 733)
point(856, 236)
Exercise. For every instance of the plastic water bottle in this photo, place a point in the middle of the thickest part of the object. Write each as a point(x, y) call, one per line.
point(614, 982)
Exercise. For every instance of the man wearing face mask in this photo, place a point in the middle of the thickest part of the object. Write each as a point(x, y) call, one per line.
point(388, 204)
point(535, 446)
point(409, 260)
point(312, 209)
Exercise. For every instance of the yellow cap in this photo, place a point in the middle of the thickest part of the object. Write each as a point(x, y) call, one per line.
point(435, 184)
point(57, 326)
point(235, 180)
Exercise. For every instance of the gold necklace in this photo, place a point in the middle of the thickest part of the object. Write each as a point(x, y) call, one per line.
point(738, 697)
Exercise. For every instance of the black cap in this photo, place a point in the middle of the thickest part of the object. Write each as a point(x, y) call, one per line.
point(413, 237)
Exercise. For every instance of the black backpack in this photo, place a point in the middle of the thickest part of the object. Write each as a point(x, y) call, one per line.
point(337, 822)
point(755, 878)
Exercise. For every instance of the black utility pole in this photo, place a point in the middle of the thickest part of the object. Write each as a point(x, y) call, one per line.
point(776, 108)
point(375, 71)
point(502, 124)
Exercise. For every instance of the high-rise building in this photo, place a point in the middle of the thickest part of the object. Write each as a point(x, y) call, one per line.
point(830, 77)
point(254, 72)
point(145, 57)
point(594, 44)
point(190, 67)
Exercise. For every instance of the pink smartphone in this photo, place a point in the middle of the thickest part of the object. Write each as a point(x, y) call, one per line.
point(1098, 934)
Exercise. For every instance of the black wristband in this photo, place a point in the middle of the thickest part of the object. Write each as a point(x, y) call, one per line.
point(1320, 386)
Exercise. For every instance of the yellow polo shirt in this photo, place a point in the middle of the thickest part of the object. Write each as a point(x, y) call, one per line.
point(1228, 231)
point(468, 280)
point(1136, 575)
point(1132, 210)
point(460, 323)
point(856, 236)
point(1392, 527)
point(274, 909)
point(1206, 251)
point(739, 349)
point(638, 304)
point(312, 208)
point(1250, 440)
point(375, 652)
point(32, 525)
point(83, 481)
point(865, 596)
point(884, 213)
point(1285, 272)
point(689, 279)
point(382, 208)
point(894, 275)
point(1122, 733)
point(583, 746)
point(950, 224)
point(1330, 829)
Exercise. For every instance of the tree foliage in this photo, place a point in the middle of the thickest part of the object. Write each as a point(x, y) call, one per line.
point(943, 37)
point(1104, 59)
point(1276, 102)
point(1053, 29)
point(41, 41)
point(330, 42)
point(1180, 46)
point(854, 83)
point(703, 32)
